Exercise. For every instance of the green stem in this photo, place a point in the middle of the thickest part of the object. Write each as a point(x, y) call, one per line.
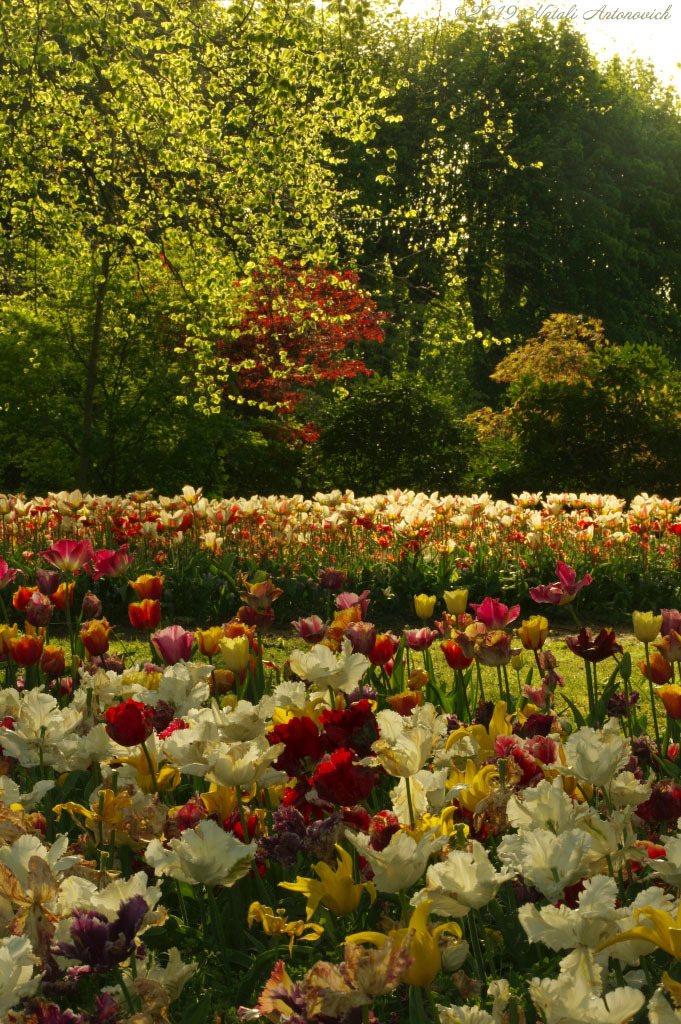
point(151, 767)
point(409, 803)
point(652, 696)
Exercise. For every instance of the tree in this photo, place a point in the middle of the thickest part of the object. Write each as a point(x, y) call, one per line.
point(197, 131)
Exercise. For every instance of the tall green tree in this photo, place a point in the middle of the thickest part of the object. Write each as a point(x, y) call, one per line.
point(198, 132)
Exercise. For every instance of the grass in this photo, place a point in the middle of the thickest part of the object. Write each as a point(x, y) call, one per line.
point(277, 647)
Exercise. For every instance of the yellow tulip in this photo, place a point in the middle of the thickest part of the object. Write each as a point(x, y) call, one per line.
point(335, 890)
point(208, 640)
point(424, 947)
point(479, 783)
point(456, 601)
point(424, 605)
point(534, 632)
point(277, 924)
point(665, 931)
point(236, 652)
point(646, 626)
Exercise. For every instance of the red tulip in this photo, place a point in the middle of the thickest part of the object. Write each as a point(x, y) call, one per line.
point(129, 723)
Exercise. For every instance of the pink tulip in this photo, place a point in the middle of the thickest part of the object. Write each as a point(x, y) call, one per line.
point(420, 639)
point(111, 563)
point(564, 590)
point(349, 600)
point(311, 630)
point(7, 575)
point(69, 555)
point(173, 644)
point(494, 614)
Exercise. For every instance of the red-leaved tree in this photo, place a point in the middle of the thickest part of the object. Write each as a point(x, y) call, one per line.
point(300, 326)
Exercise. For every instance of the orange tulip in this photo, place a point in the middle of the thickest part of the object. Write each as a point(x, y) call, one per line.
point(59, 596)
point(145, 615)
point(671, 698)
point(94, 636)
point(26, 650)
point(148, 587)
point(404, 703)
point(660, 669)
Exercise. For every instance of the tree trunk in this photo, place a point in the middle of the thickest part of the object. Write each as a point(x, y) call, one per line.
point(85, 463)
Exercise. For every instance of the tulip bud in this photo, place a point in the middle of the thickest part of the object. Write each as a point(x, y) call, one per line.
point(456, 601)
point(91, 607)
point(517, 661)
point(47, 581)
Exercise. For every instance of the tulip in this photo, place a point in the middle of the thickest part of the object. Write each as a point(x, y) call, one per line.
point(331, 579)
point(534, 632)
point(660, 669)
point(671, 698)
point(7, 575)
point(362, 636)
point(404, 703)
point(173, 644)
point(208, 640)
point(424, 945)
point(223, 680)
point(419, 639)
point(26, 650)
point(349, 600)
point(21, 597)
point(594, 649)
point(39, 609)
point(670, 646)
point(129, 723)
point(493, 649)
point(111, 563)
point(47, 581)
point(59, 596)
point(145, 615)
point(52, 661)
point(260, 595)
point(94, 636)
point(335, 890)
point(383, 649)
point(454, 656)
point(424, 606)
point(646, 626)
point(456, 601)
point(311, 630)
point(91, 607)
point(564, 590)
point(235, 653)
point(69, 555)
point(671, 620)
point(261, 618)
point(148, 587)
point(494, 614)
point(7, 634)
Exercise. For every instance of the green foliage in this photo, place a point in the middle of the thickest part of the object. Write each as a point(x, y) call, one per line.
point(590, 416)
point(390, 433)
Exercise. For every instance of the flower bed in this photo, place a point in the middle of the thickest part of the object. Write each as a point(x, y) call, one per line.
point(397, 543)
point(206, 835)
